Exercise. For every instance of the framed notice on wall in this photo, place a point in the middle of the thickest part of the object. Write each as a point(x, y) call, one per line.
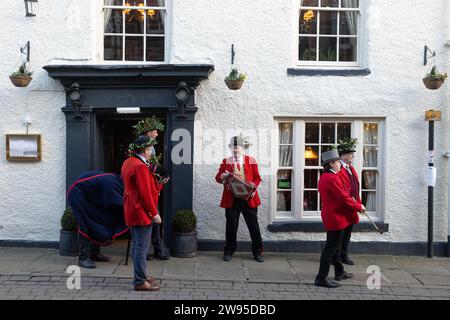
point(23, 147)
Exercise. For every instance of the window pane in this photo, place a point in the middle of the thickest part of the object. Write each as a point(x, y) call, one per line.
point(348, 23)
point(310, 199)
point(348, 49)
point(286, 132)
point(312, 133)
point(284, 179)
point(113, 48)
point(350, 3)
point(155, 21)
point(330, 3)
point(307, 49)
point(370, 157)
point(113, 21)
point(134, 48)
point(155, 49)
point(344, 131)
point(328, 133)
point(328, 22)
point(309, 3)
point(311, 156)
point(156, 3)
point(286, 156)
point(370, 133)
point(308, 22)
point(134, 22)
point(369, 200)
point(311, 179)
point(327, 49)
point(134, 3)
point(369, 180)
point(113, 2)
point(284, 201)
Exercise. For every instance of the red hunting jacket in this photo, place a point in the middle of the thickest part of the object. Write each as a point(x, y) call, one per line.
point(338, 207)
point(141, 195)
point(251, 174)
point(343, 175)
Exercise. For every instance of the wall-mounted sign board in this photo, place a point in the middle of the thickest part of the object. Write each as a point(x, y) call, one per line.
point(23, 147)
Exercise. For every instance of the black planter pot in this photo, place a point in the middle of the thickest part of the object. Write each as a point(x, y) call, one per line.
point(184, 245)
point(68, 243)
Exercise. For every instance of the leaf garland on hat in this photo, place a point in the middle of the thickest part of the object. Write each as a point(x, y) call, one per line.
point(148, 124)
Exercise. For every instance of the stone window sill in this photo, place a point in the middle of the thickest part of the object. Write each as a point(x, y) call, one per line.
point(296, 72)
point(317, 227)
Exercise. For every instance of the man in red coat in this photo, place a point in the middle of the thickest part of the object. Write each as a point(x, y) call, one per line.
point(247, 168)
point(349, 177)
point(338, 212)
point(141, 209)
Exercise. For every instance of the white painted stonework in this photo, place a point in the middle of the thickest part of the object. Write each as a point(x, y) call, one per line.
point(32, 196)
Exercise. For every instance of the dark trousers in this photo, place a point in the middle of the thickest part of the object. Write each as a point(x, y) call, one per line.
point(346, 240)
point(140, 242)
point(87, 248)
point(158, 245)
point(251, 219)
point(330, 255)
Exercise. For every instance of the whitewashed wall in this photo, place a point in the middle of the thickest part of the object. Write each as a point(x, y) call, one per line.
point(264, 33)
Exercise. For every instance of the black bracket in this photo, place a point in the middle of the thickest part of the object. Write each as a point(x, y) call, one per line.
point(26, 50)
point(29, 8)
point(425, 55)
point(233, 54)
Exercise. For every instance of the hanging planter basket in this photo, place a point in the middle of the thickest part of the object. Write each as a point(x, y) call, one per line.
point(433, 84)
point(20, 81)
point(234, 84)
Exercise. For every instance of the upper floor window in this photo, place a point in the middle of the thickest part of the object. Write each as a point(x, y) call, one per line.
point(134, 30)
point(329, 33)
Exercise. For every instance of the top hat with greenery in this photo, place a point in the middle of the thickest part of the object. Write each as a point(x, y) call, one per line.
point(140, 144)
point(148, 124)
point(347, 145)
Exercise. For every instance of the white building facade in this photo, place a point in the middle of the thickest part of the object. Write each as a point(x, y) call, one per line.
point(318, 71)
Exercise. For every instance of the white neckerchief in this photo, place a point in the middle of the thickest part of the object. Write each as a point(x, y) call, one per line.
point(347, 167)
point(239, 160)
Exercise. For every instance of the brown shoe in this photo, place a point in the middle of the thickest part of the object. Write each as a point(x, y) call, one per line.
point(151, 279)
point(147, 286)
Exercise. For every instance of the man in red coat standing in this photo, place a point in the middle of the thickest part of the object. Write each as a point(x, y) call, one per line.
point(349, 177)
point(338, 212)
point(247, 168)
point(141, 209)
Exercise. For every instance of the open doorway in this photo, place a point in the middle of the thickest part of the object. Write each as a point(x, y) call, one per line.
point(115, 133)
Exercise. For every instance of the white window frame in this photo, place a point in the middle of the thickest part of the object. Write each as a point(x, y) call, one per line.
point(331, 64)
point(167, 34)
point(357, 129)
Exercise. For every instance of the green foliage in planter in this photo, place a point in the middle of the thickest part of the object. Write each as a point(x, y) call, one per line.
point(184, 221)
point(68, 221)
point(24, 71)
point(434, 74)
point(235, 75)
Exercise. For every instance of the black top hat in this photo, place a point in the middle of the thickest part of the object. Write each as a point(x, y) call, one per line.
point(330, 156)
point(141, 143)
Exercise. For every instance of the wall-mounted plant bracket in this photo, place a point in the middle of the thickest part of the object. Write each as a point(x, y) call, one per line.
point(425, 55)
point(26, 50)
point(233, 54)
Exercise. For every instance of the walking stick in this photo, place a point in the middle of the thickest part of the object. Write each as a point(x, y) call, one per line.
point(375, 226)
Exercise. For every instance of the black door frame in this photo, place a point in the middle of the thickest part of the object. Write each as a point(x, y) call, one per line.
point(150, 87)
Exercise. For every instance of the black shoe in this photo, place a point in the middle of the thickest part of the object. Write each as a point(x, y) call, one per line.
point(343, 276)
point(259, 258)
point(227, 257)
point(162, 256)
point(346, 260)
point(326, 283)
point(149, 257)
point(87, 263)
point(100, 258)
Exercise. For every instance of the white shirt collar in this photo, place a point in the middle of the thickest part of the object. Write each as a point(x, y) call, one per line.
point(141, 157)
point(240, 159)
point(333, 171)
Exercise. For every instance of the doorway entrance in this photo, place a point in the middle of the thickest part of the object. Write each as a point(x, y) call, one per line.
point(115, 133)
